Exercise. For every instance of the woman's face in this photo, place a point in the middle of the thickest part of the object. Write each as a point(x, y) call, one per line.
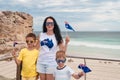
point(49, 24)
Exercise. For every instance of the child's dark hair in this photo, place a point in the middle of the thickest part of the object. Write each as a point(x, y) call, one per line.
point(31, 35)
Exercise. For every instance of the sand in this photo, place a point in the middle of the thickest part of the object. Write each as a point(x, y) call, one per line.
point(101, 70)
point(7, 70)
point(3, 78)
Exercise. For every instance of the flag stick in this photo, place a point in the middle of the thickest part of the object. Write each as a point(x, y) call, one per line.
point(66, 29)
point(66, 32)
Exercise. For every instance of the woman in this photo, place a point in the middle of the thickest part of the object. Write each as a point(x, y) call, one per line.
point(50, 42)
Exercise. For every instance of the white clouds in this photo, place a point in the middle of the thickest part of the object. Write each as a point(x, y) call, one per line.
point(94, 26)
point(104, 29)
point(108, 8)
point(49, 3)
point(38, 20)
point(84, 14)
point(64, 6)
point(100, 17)
point(71, 10)
point(36, 23)
point(81, 26)
point(22, 1)
point(107, 11)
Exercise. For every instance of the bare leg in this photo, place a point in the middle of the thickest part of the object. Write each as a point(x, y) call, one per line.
point(42, 76)
point(49, 77)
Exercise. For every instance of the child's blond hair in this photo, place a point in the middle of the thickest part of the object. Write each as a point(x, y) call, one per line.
point(60, 54)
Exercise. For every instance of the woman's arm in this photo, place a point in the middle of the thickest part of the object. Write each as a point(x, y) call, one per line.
point(63, 46)
point(37, 43)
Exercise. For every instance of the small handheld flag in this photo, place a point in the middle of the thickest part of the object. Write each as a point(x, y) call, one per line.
point(14, 44)
point(68, 26)
point(84, 68)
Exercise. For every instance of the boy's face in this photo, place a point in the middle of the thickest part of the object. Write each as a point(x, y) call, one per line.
point(30, 42)
point(60, 61)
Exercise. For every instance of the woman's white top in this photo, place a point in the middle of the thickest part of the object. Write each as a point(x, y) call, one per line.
point(47, 55)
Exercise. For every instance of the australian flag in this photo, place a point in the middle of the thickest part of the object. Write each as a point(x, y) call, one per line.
point(68, 26)
point(84, 68)
point(14, 44)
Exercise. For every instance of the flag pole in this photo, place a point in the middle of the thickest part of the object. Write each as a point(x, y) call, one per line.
point(66, 29)
point(66, 32)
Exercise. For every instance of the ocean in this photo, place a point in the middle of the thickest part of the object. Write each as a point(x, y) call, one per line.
point(105, 45)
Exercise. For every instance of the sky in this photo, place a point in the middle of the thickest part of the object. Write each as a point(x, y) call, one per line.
point(82, 15)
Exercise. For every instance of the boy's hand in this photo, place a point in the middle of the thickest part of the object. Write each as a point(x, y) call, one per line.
point(14, 53)
point(80, 74)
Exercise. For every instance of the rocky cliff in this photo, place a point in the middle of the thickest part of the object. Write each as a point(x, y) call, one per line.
point(13, 27)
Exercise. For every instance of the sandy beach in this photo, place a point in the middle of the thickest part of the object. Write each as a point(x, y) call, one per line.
point(101, 70)
point(7, 70)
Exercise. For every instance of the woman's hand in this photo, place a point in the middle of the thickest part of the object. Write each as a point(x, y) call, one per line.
point(67, 39)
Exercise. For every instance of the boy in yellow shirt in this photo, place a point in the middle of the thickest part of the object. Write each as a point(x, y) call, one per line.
point(28, 56)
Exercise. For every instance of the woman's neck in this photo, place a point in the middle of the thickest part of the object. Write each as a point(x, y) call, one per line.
point(50, 32)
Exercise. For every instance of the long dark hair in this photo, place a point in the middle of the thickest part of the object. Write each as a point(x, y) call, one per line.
point(56, 29)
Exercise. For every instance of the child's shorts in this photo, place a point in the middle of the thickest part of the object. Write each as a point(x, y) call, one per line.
point(46, 68)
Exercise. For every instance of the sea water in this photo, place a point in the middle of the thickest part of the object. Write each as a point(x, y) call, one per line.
point(94, 44)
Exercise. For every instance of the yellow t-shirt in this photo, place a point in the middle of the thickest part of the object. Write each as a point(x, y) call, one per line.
point(29, 59)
